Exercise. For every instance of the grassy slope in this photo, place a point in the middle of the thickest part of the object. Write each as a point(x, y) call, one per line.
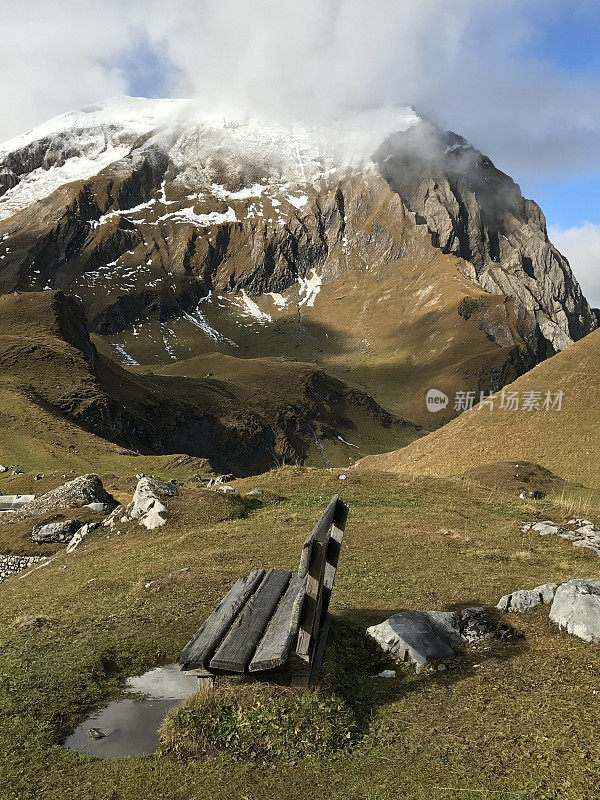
point(278, 387)
point(243, 396)
point(565, 441)
point(522, 723)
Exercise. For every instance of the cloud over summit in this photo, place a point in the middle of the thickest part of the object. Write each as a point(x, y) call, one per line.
point(463, 63)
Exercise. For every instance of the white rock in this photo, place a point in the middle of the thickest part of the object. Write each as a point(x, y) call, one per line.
point(147, 507)
point(228, 490)
point(576, 608)
point(79, 536)
point(386, 673)
point(526, 599)
point(97, 506)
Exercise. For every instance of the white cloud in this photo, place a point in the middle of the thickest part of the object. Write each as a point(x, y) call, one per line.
point(581, 245)
point(459, 61)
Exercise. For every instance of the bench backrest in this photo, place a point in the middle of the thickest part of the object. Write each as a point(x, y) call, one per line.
point(318, 564)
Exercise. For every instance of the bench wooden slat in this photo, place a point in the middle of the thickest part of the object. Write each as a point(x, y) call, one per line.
point(201, 648)
point(334, 547)
point(310, 613)
point(317, 659)
point(318, 534)
point(237, 648)
point(275, 645)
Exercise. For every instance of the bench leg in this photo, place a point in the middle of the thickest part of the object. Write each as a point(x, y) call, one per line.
point(206, 683)
point(300, 679)
point(206, 679)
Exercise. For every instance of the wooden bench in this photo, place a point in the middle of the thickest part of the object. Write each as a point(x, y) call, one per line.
point(272, 622)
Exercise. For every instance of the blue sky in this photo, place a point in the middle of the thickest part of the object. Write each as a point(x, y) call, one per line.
point(568, 37)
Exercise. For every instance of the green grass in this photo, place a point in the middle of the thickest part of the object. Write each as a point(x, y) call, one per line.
point(522, 723)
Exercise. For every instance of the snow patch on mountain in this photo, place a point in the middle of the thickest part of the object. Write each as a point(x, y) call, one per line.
point(41, 182)
point(311, 286)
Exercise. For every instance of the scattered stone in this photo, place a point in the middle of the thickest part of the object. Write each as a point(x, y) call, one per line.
point(532, 495)
point(11, 564)
point(576, 608)
point(342, 477)
point(526, 599)
point(3, 469)
point(254, 492)
point(386, 673)
point(581, 533)
point(80, 535)
point(228, 490)
point(476, 625)
point(147, 506)
point(109, 521)
point(99, 507)
point(53, 532)
point(73, 494)
point(418, 636)
point(218, 481)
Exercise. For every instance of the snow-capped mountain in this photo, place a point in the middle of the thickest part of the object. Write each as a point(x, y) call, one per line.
point(391, 253)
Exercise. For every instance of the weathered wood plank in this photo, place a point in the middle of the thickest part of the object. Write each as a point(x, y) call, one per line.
point(312, 597)
point(317, 659)
point(274, 647)
point(334, 547)
point(318, 534)
point(237, 648)
point(201, 647)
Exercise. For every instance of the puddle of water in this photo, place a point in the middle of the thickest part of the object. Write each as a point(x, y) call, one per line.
point(130, 727)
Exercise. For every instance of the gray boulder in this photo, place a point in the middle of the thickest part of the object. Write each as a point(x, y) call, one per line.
point(75, 493)
point(526, 599)
point(418, 636)
point(576, 608)
point(51, 532)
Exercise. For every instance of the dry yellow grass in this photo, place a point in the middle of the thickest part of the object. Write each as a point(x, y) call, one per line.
point(566, 441)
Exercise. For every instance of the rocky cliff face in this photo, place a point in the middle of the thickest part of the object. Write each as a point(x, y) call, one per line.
point(476, 212)
point(389, 260)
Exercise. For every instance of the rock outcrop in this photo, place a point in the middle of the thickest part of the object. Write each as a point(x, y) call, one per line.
point(73, 494)
point(476, 212)
point(149, 504)
point(576, 608)
point(50, 532)
point(525, 599)
point(580, 532)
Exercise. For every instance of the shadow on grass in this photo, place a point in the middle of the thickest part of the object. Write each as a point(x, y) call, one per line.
point(352, 661)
